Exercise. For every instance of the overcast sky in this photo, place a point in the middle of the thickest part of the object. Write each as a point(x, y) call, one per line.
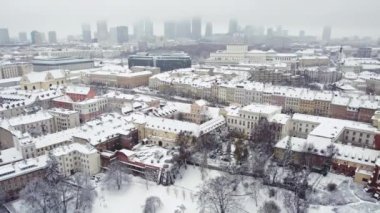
point(347, 17)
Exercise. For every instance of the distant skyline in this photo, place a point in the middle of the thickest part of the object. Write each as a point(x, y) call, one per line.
point(346, 17)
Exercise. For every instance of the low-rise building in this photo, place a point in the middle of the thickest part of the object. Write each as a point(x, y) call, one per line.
point(43, 80)
point(14, 177)
point(108, 132)
point(323, 154)
point(117, 78)
point(64, 118)
point(91, 108)
point(77, 157)
point(13, 70)
point(88, 109)
point(148, 161)
point(244, 119)
point(40, 123)
point(164, 131)
point(41, 64)
point(335, 130)
point(79, 93)
point(313, 60)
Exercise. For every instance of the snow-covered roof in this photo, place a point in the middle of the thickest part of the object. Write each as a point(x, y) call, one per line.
point(74, 147)
point(78, 89)
point(265, 109)
point(22, 167)
point(280, 118)
point(107, 126)
point(62, 111)
point(341, 151)
point(330, 127)
point(34, 77)
point(64, 98)
point(201, 102)
point(26, 119)
point(151, 155)
point(10, 155)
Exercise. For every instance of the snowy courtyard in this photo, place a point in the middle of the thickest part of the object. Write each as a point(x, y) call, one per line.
point(132, 197)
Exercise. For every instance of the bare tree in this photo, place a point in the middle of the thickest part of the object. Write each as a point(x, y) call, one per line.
point(84, 192)
point(261, 145)
point(241, 151)
point(150, 175)
point(271, 173)
point(180, 209)
point(205, 144)
point(217, 195)
point(270, 207)
point(116, 175)
point(52, 174)
point(254, 189)
point(288, 153)
point(289, 201)
point(183, 140)
point(152, 204)
point(63, 191)
point(38, 196)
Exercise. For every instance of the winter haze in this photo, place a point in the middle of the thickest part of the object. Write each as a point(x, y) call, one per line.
point(66, 16)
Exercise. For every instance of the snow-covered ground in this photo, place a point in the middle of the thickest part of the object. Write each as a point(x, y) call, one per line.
point(132, 197)
point(348, 198)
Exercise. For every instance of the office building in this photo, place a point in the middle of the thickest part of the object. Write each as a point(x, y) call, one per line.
point(166, 62)
point(77, 157)
point(183, 29)
point(112, 35)
point(52, 35)
point(209, 29)
point(40, 65)
point(22, 37)
point(170, 29)
point(364, 52)
point(102, 31)
point(122, 34)
point(302, 34)
point(326, 34)
point(4, 36)
point(149, 32)
point(36, 37)
point(233, 26)
point(14, 69)
point(139, 29)
point(270, 32)
point(196, 28)
point(86, 33)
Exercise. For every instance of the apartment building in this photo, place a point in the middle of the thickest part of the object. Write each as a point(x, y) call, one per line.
point(336, 130)
point(164, 131)
point(43, 80)
point(324, 154)
point(77, 157)
point(79, 93)
point(64, 118)
point(13, 70)
point(292, 99)
point(244, 119)
point(14, 177)
point(119, 77)
point(91, 108)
